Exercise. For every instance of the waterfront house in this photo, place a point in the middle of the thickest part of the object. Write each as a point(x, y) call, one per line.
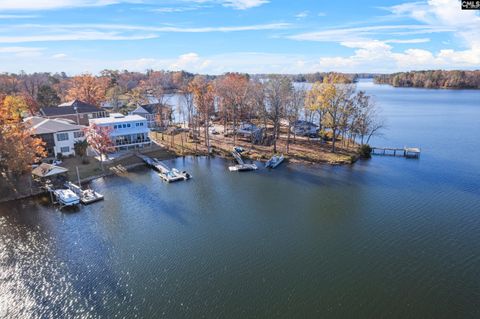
point(77, 111)
point(59, 135)
point(127, 131)
point(305, 128)
point(151, 111)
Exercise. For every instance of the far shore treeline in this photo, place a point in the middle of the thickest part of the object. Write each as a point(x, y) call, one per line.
point(434, 79)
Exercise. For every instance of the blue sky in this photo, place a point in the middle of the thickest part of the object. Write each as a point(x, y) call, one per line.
point(255, 36)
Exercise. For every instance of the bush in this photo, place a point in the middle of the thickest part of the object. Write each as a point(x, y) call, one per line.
point(365, 151)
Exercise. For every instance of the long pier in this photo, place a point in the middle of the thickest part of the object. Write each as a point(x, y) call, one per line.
point(167, 174)
point(409, 152)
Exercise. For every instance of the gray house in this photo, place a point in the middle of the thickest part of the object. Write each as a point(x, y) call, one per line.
point(59, 135)
point(77, 111)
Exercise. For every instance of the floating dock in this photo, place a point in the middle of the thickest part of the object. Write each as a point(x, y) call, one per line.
point(408, 152)
point(241, 166)
point(87, 196)
point(167, 174)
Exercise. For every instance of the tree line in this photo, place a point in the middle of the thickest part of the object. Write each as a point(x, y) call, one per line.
point(434, 79)
point(272, 101)
point(347, 114)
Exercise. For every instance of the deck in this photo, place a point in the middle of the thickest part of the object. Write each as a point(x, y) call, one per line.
point(408, 152)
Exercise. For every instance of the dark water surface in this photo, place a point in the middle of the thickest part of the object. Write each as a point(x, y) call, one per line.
point(386, 238)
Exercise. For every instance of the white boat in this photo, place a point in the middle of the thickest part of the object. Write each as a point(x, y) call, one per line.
point(66, 197)
point(274, 161)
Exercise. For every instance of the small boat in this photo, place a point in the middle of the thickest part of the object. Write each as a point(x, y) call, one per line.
point(66, 197)
point(90, 196)
point(184, 174)
point(274, 161)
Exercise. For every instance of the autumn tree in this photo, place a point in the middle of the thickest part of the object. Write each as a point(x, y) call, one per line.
point(18, 149)
point(277, 93)
point(88, 88)
point(232, 91)
point(366, 121)
point(295, 104)
point(98, 137)
point(204, 97)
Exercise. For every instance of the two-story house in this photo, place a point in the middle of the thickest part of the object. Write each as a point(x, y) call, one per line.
point(155, 114)
point(77, 111)
point(127, 131)
point(59, 135)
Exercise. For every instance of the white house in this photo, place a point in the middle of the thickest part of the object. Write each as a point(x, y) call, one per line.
point(127, 131)
point(59, 135)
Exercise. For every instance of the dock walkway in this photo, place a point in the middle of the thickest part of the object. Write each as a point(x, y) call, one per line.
point(167, 174)
point(409, 152)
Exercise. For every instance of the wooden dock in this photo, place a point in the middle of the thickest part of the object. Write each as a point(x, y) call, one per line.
point(408, 152)
point(167, 174)
point(241, 166)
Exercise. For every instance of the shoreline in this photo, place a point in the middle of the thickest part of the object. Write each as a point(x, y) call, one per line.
point(163, 151)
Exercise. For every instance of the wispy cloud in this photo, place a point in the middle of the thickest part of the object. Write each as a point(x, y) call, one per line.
point(302, 15)
point(361, 33)
point(17, 16)
point(31, 5)
point(21, 51)
point(244, 4)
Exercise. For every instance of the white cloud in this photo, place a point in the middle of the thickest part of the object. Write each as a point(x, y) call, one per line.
point(17, 16)
point(302, 15)
point(244, 4)
point(73, 36)
point(59, 56)
point(54, 4)
point(19, 49)
point(111, 32)
point(373, 45)
point(420, 40)
point(365, 33)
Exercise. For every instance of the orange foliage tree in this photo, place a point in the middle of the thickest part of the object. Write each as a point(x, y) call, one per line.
point(18, 149)
point(88, 88)
point(98, 137)
point(204, 98)
point(232, 90)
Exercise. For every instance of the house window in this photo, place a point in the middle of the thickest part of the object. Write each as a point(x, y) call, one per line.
point(115, 127)
point(62, 137)
point(124, 125)
point(141, 124)
point(128, 125)
point(65, 149)
point(78, 134)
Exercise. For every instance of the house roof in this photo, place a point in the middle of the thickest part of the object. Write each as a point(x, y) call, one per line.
point(40, 125)
point(141, 110)
point(117, 119)
point(69, 108)
point(46, 170)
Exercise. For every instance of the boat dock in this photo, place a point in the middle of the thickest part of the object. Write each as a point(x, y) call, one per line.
point(241, 166)
point(87, 196)
point(408, 152)
point(167, 174)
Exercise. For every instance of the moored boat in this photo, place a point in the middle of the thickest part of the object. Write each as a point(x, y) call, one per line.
point(274, 161)
point(66, 197)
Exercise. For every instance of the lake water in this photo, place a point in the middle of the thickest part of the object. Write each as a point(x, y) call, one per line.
point(385, 238)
